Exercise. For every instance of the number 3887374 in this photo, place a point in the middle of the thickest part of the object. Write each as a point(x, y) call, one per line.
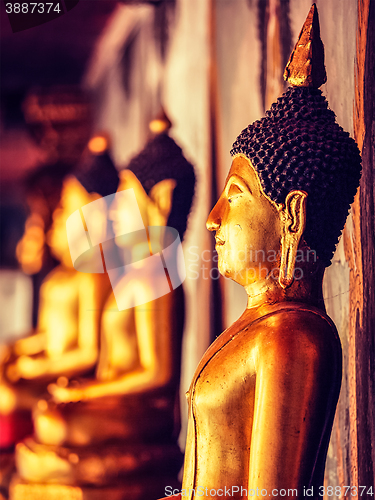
point(346, 491)
point(32, 7)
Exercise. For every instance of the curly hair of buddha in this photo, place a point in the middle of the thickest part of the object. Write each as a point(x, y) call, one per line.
point(299, 145)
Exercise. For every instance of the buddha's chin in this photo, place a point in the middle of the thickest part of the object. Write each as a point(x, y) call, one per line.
point(224, 269)
point(221, 265)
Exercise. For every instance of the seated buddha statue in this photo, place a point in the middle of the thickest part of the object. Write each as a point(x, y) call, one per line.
point(121, 426)
point(65, 343)
point(59, 121)
point(263, 397)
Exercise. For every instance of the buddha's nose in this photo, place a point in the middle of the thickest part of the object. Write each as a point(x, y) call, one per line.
point(214, 219)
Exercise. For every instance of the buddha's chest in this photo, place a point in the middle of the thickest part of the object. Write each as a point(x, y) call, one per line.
point(59, 313)
point(225, 388)
point(119, 348)
point(61, 295)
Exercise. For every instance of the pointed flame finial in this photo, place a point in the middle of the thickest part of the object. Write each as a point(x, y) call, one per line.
point(305, 67)
point(161, 123)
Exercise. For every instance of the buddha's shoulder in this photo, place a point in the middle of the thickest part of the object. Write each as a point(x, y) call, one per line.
point(292, 315)
point(60, 275)
point(296, 328)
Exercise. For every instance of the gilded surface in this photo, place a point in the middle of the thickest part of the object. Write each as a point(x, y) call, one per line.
point(132, 396)
point(65, 342)
point(263, 397)
point(305, 67)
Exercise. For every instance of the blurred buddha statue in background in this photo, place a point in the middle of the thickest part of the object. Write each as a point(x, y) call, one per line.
point(263, 398)
point(59, 121)
point(120, 429)
point(65, 341)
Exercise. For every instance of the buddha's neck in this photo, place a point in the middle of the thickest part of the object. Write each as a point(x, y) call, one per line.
point(307, 290)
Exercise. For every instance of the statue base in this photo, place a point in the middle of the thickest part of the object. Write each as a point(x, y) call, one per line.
point(131, 471)
point(144, 490)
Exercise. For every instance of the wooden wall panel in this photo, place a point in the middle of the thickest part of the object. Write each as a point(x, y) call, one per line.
point(352, 451)
point(363, 299)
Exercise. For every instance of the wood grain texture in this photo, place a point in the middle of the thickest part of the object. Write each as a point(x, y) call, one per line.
point(365, 328)
point(359, 251)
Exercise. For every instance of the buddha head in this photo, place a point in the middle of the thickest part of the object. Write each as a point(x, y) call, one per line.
point(96, 177)
point(294, 175)
point(163, 182)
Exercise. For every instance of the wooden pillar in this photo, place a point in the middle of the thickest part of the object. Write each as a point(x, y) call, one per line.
point(360, 253)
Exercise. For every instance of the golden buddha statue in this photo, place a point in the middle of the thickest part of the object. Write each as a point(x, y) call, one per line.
point(59, 121)
point(121, 427)
point(263, 397)
point(65, 343)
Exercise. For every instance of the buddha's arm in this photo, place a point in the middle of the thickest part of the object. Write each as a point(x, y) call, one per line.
point(21, 362)
point(25, 366)
point(68, 363)
point(295, 377)
point(55, 360)
point(153, 370)
point(36, 342)
point(28, 346)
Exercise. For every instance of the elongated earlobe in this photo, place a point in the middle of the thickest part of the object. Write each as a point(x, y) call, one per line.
point(161, 195)
point(293, 221)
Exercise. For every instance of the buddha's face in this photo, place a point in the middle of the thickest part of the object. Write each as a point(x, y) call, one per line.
point(73, 197)
point(125, 212)
point(153, 208)
point(248, 227)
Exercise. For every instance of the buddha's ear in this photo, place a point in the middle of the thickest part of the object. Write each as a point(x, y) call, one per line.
point(128, 180)
point(293, 227)
point(161, 195)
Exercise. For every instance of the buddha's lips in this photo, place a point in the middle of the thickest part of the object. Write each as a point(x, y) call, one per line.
point(219, 241)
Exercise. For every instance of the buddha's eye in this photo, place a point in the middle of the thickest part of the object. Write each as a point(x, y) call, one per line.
point(233, 191)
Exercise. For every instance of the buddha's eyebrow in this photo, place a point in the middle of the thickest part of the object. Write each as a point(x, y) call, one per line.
point(239, 180)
